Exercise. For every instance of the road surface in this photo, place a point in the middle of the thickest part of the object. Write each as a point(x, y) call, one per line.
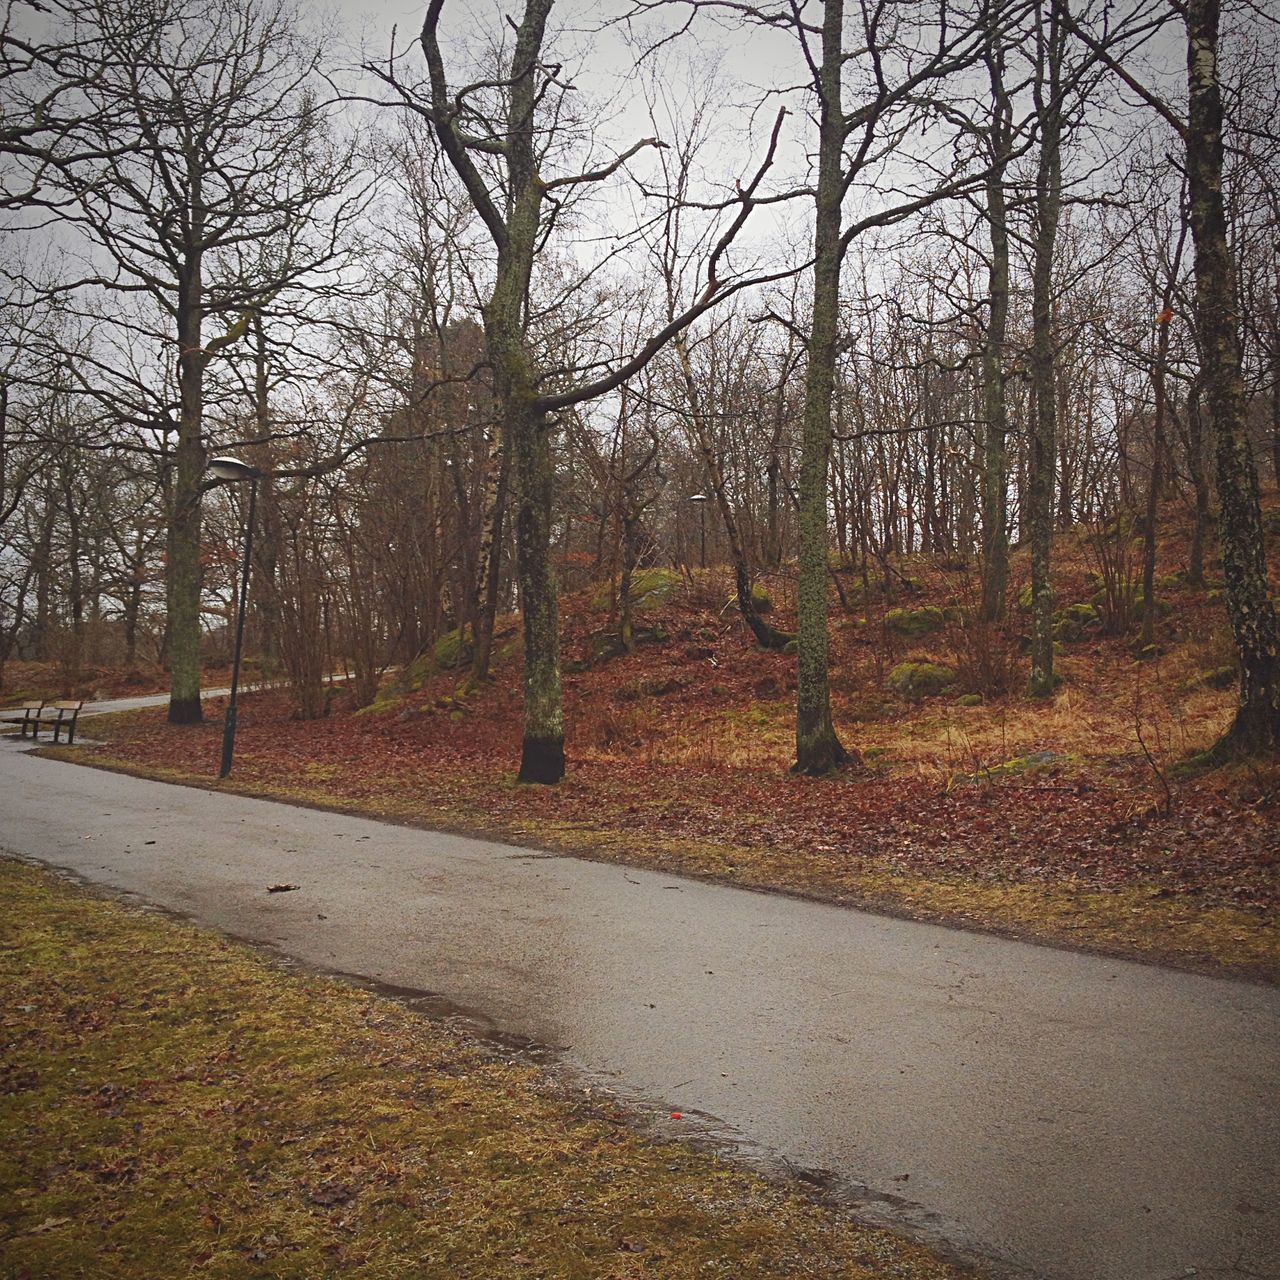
point(1077, 1117)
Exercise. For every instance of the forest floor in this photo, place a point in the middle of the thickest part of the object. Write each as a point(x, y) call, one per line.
point(174, 1104)
point(1070, 820)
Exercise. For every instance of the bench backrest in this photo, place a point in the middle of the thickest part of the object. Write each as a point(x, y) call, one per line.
point(67, 706)
point(34, 705)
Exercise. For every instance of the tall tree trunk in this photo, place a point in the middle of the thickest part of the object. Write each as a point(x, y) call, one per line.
point(530, 431)
point(263, 585)
point(1200, 484)
point(182, 579)
point(1153, 488)
point(492, 502)
point(73, 645)
point(766, 636)
point(44, 581)
point(1043, 451)
point(818, 750)
point(1256, 727)
point(1275, 379)
point(132, 607)
point(542, 754)
point(995, 468)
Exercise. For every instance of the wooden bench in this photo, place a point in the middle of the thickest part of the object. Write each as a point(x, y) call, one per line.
point(30, 716)
point(61, 715)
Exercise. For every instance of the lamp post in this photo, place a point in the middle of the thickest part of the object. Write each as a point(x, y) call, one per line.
point(701, 500)
point(231, 470)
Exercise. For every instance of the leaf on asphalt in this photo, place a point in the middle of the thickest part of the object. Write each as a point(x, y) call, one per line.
point(282, 888)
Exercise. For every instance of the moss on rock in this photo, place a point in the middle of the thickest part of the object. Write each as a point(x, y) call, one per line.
point(449, 651)
point(649, 588)
point(915, 623)
point(921, 679)
point(1070, 624)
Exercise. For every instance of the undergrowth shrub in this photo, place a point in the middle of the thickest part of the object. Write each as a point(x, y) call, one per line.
point(984, 656)
point(1115, 548)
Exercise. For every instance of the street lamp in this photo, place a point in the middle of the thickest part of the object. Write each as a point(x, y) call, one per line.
point(232, 470)
point(701, 499)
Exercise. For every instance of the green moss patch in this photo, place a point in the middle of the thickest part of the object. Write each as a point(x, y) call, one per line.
point(649, 589)
point(915, 623)
point(1071, 624)
point(921, 679)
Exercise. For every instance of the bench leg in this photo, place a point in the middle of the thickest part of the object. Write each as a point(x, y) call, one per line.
point(71, 733)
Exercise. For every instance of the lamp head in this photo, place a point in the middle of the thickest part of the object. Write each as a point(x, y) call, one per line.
point(231, 469)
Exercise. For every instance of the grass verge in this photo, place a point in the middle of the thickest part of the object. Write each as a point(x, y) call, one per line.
point(174, 1105)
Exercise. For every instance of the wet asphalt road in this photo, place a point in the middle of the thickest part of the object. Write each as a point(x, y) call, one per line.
point(1082, 1118)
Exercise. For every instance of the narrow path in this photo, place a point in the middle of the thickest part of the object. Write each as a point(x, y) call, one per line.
point(108, 705)
point(1083, 1118)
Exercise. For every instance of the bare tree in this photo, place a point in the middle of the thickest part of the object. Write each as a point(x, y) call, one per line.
point(497, 132)
point(201, 172)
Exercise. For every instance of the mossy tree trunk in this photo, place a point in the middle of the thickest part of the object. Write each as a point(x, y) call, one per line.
point(515, 229)
point(1256, 727)
point(995, 468)
point(182, 573)
point(492, 511)
point(529, 430)
point(1159, 382)
point(542, 750)
point(818, 750)
point(1200, 483)
point(1050, 39)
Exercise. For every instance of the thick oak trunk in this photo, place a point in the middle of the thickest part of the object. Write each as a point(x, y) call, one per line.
point(1043, 451)
point(995, 462)
point(182, 570)
point(818, 750)
point(1256, 726)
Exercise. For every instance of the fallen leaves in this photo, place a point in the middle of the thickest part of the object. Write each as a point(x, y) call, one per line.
point(694, 779)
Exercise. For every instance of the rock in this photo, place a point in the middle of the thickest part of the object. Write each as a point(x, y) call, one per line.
point(1036, 762)
point(450, 650)
point(914, 623)
point(916, 680)
point(1069, 624)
